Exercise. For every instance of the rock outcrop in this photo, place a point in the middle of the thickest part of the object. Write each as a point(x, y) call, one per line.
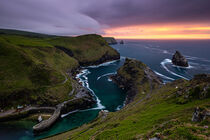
point(179, 60)
point(121, 42)
point(110, 40)
point(134, 74)
point(200, 114)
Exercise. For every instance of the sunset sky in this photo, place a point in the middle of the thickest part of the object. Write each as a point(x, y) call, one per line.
point(126, 19)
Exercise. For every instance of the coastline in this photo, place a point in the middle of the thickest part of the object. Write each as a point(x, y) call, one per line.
point(84, 94)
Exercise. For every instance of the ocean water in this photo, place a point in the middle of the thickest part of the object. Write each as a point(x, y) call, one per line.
point(156, 54)
point(96, 78)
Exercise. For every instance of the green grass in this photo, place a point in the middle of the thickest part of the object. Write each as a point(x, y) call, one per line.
point(145, 117)
point(32, 69)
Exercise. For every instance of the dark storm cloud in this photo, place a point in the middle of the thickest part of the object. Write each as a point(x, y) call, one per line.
point(67, 17)
point(132, 12)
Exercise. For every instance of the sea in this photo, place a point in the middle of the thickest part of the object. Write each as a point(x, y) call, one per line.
point(157, 54)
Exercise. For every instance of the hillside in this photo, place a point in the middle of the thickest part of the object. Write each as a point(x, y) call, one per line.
point(177, 110)
point(35, 68)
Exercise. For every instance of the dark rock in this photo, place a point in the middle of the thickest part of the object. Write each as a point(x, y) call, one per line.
point(200, 114)
point(110, 40)
point(67, 51)
point(179, 60)
point(105, 58)
point(121, 42)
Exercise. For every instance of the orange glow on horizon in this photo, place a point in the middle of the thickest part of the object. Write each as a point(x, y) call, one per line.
point(160, 32)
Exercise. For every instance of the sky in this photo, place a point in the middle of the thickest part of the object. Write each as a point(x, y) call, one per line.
point(125, 19)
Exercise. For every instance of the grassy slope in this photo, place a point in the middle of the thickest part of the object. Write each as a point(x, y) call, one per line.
point(89, 45)
point(33, 71)
point(163, 112)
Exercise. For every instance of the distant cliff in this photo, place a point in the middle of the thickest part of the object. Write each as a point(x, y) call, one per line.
point(110, 40)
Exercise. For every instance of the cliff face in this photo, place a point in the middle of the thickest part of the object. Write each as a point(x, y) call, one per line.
point(110, 40)
point(34, 66)
point(133, 76)
point(177, 110)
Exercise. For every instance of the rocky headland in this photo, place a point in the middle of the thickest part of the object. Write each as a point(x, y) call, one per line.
point(134, 73)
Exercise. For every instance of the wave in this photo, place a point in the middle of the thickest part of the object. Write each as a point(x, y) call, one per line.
point(163, 76)
point(168, 61)
point(105, 63)
point(109, 80)
point(196, 58)
point(156, 49)
point(64, 115)
point(119, 107)
point(85, 83)
point(107, 74)
point(189, 67)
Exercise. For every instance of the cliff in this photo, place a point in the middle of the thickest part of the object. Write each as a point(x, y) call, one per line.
point(177, 110)
point(35, 68)
point(110, 40)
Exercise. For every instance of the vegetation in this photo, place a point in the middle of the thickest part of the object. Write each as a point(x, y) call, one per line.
point(33, 70)
point(154, 112)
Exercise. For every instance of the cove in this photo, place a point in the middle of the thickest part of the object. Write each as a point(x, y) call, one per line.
point(109, 97)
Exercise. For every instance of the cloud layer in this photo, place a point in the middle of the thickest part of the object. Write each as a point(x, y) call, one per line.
point(46, 16)
point(73, 17)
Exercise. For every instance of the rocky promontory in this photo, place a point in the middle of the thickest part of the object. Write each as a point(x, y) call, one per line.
point(134, 74)
point(179, 60)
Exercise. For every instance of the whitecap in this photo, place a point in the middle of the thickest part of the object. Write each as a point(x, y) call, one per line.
point(103, 64)
point(163, 76)
point(168, 61)
point(118, 107)
point(64, 115)
point(107, 74)
point(109, 80)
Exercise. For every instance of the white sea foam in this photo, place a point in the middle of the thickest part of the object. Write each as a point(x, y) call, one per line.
point(107, 74)
point(64, 115)
point(85, 83)
point(109, 79)
point(118, 107)
point(103, 64)
point(163, 76)
point(168, 61)
point(106, 63)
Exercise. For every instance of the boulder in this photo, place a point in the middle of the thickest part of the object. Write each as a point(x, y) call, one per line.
point(179, 60)
point(200, 114)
